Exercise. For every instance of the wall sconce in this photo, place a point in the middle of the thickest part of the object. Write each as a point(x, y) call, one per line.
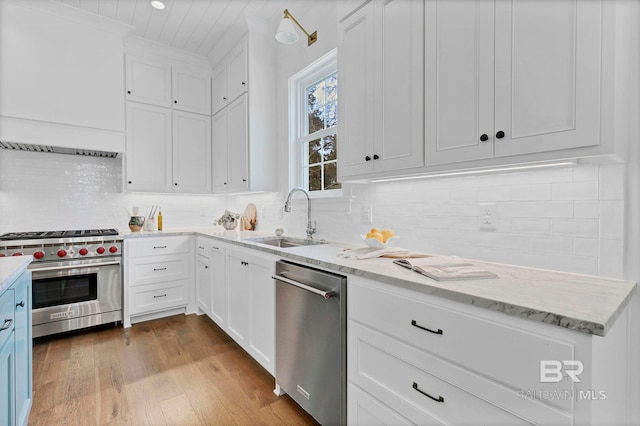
point(287, 33)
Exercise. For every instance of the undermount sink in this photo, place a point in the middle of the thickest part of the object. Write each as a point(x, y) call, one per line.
point(285, 242)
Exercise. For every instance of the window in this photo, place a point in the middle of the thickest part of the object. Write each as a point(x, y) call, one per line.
point(314, 114)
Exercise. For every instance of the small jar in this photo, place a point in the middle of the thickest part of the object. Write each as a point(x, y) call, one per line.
point(136, 223)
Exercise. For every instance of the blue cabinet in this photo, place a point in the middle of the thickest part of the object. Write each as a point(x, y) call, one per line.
point(16, 352)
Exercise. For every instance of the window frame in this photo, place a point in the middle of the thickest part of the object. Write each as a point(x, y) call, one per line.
point(316, 71)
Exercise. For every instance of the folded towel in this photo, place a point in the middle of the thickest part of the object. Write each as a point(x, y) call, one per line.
point(370, 253)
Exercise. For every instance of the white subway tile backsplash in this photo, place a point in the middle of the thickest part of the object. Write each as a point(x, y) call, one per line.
point(570, 219)
point(610, 178)
point(575, 191)
point(583, 228)
point(612, 220)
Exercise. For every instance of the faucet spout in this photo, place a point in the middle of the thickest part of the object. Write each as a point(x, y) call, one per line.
point(311, 229)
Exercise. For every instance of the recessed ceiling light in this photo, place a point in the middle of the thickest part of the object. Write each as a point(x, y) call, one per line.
point(157, 4)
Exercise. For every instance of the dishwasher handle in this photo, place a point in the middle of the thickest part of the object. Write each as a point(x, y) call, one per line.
point(324, 294)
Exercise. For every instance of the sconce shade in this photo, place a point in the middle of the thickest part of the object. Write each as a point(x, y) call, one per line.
point(287, 32)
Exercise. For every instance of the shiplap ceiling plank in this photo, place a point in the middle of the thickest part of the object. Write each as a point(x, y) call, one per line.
point(196, 26)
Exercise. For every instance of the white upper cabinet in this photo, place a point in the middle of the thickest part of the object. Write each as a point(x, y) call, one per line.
point(347, 7)
point(148, 81)
point(230, 77)
point(191, 152)
point(148, 154)
point(230, 144)
point(512, 78)
point(192, 90)
point(380, 69)
point(159, 82)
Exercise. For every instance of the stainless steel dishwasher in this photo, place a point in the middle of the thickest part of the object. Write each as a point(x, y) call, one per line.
point(311, 342)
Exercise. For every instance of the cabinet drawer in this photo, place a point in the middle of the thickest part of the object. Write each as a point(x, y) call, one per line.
point(365, 410)
point(158, 269)
point(157, 297)
point(424, 387)
point(203, 247)
point(403, 377)
point(499, 351)
point(157, 246)
point(7, 318)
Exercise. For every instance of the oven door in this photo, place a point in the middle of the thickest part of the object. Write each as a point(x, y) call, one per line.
point(83, 289)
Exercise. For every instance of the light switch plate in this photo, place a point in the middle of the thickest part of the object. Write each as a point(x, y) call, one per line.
point(367, 214)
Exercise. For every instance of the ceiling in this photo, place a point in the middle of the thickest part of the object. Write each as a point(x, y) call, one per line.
point(196, 26)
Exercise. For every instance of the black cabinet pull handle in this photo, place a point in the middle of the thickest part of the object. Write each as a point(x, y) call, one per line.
point(367, 158)
point(162, 295)
point(500, 134)
point(159, 269)
point(20, 305)
point(155, 247)
point(438, 399)
point(484, 137)
point(7, 324)
point(415, 324)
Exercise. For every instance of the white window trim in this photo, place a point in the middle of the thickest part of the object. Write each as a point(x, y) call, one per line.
point(297, 85)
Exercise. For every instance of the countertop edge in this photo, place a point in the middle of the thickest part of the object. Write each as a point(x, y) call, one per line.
point(11, 268)
point(598, 328)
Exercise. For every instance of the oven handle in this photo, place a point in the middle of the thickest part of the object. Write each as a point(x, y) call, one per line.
point(90, 265)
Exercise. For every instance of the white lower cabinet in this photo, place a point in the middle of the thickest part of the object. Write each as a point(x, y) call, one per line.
point(211, 291)
point(251, 304)
point(158, 277)
point(415, 358)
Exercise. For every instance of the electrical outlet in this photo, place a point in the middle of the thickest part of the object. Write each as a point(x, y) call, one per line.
point(487, 216)
point(367, 214)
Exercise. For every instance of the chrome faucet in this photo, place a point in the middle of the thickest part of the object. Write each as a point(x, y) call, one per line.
point(287, 208)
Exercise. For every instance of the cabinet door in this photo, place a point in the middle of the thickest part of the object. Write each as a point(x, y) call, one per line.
point(357, 84)
point(7, 383)
point(459, 60)
point(192, 90)
point(218, 281)
point(148, 81)
point(346, 7)
point(237, 71)
point(220, 150)
point(548, 61)
point(148, 154)
point(219, 88)
point(262, 309)
point(238, 140)
point(23, 348)
point(238, 291)
point(191, 152)
point(203, 285)
point(399, 140)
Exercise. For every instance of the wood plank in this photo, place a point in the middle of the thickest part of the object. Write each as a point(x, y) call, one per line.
point(175, 370)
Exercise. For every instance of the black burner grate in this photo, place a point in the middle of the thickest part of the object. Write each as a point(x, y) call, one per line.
point(12, 236)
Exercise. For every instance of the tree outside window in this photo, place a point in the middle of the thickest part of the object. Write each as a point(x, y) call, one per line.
point(320, 139)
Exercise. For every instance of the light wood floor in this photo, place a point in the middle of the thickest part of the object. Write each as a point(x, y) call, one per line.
point(180, 370)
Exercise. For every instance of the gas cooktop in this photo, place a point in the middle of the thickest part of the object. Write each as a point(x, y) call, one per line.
point(80, 233)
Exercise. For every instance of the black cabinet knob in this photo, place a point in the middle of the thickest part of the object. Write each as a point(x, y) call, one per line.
point(175, 102)
point(484, 137)
point(244, 180)
point(367, 158)
point(129, 92)
point(500, 134)
point(225, 183)
point(224, 98)
point(129, 182)
point(175, 184)
point(376, 157)
point(243, 83)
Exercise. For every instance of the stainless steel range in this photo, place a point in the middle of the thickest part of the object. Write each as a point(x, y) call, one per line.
point(77, 277)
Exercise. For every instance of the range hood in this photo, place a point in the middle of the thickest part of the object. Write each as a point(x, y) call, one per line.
point(40, 136)
point(56, 149)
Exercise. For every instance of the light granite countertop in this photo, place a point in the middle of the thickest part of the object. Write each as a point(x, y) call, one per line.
point(11, 268)
point(584, 303)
